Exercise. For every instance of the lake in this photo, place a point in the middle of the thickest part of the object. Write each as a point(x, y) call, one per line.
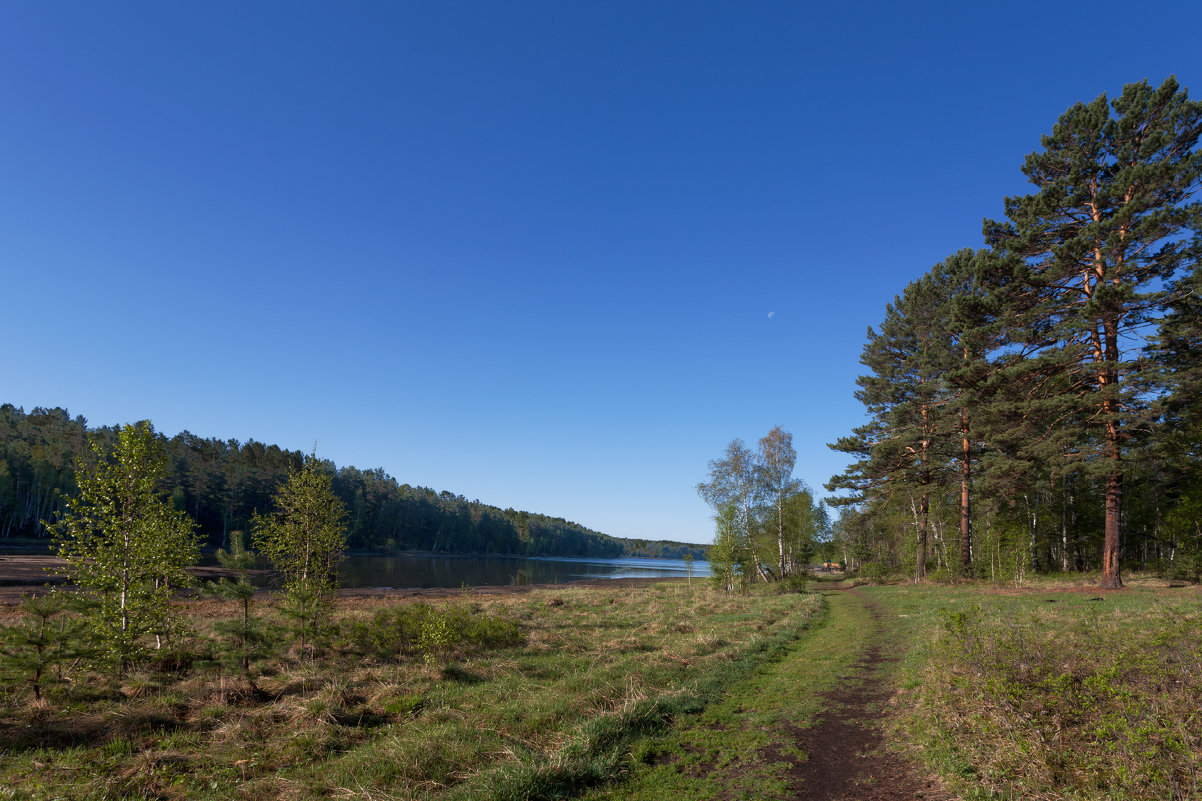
point(448, 570)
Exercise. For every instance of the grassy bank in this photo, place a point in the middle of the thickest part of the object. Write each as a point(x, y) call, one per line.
point(1055, 693)
point(421, 715)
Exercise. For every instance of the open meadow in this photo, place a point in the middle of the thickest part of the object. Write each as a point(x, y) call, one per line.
point(667, 689)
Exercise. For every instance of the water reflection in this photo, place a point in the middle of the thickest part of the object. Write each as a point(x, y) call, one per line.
point(412, 570)
point(476, 571)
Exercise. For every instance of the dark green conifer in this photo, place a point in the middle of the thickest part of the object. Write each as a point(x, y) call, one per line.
point(903, 451)
point(1089, 252)
point(244, 636)
point(45, 637)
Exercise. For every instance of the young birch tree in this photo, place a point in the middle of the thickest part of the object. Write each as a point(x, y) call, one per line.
point(776, 460)
point(125, 544)
point(305, 540)
point(732, 491)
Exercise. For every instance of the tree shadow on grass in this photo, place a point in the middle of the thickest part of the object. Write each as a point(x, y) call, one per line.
point(42, 730)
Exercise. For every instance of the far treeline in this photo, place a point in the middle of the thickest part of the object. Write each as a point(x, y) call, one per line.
point(221, 484)
point(1037, 405)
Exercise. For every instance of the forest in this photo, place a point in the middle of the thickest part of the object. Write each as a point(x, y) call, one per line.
point(1036, 405)
point(222, 484)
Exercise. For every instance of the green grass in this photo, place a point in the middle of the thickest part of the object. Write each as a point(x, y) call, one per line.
point(739, 748)
point(1053, 693)
point(671, 691)
point(486, 717)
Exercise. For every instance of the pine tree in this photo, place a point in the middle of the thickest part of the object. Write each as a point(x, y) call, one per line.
point(1175, 372)
point(903, 449)
point(44, 637)
point(1088, 252)
point(245, 635)
point(973, 333)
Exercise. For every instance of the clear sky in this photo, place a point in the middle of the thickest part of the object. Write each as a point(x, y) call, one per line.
point(550, 255)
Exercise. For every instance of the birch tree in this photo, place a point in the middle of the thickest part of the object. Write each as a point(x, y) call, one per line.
point(732, 490)
point(305, 539)
point(125, 544)
point(777, 458)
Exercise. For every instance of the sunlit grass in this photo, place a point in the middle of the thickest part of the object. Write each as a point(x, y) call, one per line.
point(1056, 693)
point(598, 669)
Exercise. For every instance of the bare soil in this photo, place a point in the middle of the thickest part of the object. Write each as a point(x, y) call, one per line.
point(848, 756)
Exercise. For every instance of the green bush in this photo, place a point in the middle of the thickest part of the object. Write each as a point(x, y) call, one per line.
point(941, 575)
point(876, 573)
point(794, 583)
point(433, 631)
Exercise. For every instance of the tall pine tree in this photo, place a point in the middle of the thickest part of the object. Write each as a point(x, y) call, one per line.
point(1090, 250)
point(903, 449)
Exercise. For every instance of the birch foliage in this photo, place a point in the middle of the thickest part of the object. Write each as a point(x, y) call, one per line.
point(125, 545)
point(305, 540)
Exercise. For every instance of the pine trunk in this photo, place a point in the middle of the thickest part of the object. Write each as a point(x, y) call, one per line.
point(965, 497)
point(1112, 528)
point(1112, 542)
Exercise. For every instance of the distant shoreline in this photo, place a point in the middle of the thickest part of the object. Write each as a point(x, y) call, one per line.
point(22, 573)
point(27, 546)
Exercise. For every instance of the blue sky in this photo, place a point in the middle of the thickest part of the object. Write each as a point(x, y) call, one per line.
point(549, 255)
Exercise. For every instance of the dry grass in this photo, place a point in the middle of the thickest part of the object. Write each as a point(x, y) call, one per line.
point(1073, 696)
point(354, 724)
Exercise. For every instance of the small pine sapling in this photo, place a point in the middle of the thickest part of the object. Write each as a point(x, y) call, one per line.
point(245, 638)
point(37, 645)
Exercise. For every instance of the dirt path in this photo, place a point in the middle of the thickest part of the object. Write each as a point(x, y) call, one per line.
point(847, 754)
point(807, 726)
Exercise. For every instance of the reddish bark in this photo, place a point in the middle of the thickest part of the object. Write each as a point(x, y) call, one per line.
point(965, 497)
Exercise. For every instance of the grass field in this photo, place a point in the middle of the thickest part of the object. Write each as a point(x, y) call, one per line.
point(595, 670)
point(1057, 693)
point(663, 691)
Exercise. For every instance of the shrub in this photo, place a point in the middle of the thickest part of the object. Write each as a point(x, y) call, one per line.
point(941, 575)
point(794, 583)
point(433, 631)
point(876, 573)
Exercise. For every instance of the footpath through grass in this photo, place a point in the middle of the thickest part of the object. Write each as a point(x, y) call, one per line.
point(1052, 693)
point(743, 746)
point(671, 691)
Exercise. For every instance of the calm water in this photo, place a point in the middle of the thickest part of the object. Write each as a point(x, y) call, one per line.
point(406, 571)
